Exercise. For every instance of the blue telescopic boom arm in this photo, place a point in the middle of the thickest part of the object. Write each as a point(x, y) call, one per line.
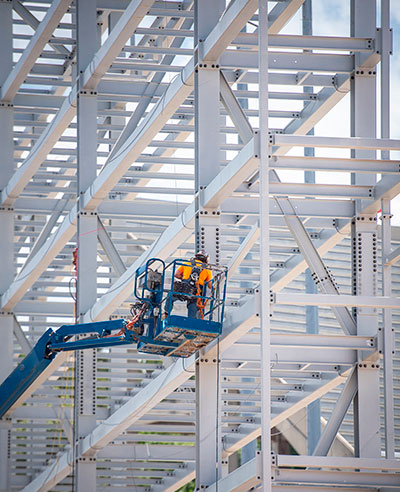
point(52, 342)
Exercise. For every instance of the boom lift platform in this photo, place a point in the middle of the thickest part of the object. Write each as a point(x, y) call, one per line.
point(152, 327)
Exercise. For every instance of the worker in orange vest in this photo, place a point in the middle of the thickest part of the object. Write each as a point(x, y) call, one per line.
point(193, 277)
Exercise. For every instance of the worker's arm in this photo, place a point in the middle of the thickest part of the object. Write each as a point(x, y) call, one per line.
point(179, 273)
point(210, 280)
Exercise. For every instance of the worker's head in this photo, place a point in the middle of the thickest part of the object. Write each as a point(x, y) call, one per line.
point(201, 256)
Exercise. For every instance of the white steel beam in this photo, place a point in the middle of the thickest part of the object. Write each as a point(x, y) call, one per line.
point(334, 164)
point(264, 248)
point(337, 478)
point(251, 352)
point(308, 42)
point(327, 98)
point(21, 337)
point(361, 143)
point(169, 240)
point(286, 61)
point(85, 367)
point(157, 452)
point(332, 428)
point(322, 341)
point(30, 19)
point(321, 275)
point(231, 176)
point(235, 111)
point(243, 249)
point(393, 257)
point(207, 237)
point(325, 300)
point(38, 41)
point(246, 477)
point(389, 341)
point(281, 14)
point(109, 248)
point(46, 231)
point(179, 478)
point(228, 27)
point(338, 462)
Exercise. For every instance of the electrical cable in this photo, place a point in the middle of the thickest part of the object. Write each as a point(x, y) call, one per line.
point(184, 368)
point(72, 281)
point(336, 87)
point(337, 230)
point(183, 223)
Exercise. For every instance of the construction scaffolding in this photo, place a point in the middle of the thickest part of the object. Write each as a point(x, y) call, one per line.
point(139, 129)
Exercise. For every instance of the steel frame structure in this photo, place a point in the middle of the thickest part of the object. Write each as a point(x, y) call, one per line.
point(137, 128)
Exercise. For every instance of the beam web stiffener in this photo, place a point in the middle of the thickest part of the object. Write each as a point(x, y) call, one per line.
point(364, 236)
point(207, 231)
point(85, 362)
point(264, 245)
point(6, 236)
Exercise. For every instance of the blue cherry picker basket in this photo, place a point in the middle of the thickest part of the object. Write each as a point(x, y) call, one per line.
point(174, 334)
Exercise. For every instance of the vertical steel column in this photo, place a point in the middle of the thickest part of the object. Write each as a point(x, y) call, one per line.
point(314, 409)
point(250, 449)
point(264, 245)
point(386, 51)
point(207, 230)
point(364, 236)
point(7, 232)
point(388, 333)
point(388, 330)
point(85, 370)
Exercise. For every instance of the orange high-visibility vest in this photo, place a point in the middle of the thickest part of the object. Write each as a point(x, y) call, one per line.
point(204, 276)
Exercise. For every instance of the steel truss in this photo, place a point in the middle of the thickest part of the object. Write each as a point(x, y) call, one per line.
point(134, 129)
